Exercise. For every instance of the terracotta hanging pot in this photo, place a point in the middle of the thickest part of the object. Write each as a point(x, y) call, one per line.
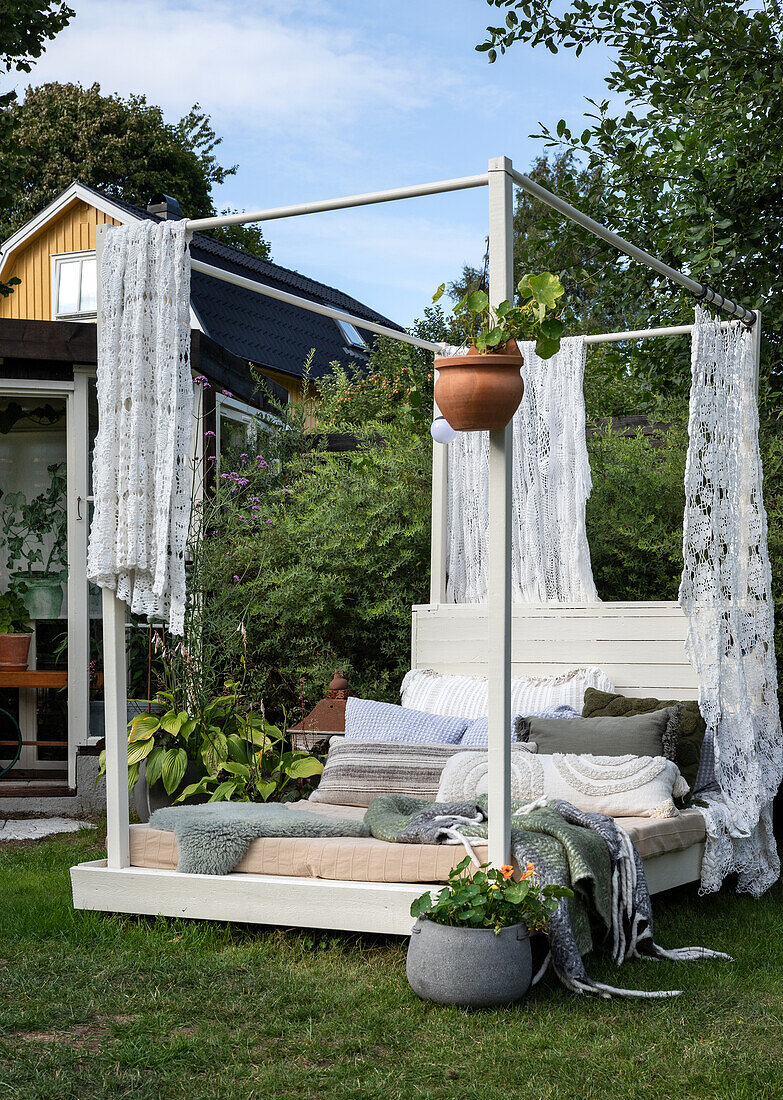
point(480, 392)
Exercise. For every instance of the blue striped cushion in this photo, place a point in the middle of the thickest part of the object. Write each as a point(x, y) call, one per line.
point(369, 720)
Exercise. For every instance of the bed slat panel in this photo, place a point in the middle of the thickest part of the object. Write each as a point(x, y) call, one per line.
point(640, 646)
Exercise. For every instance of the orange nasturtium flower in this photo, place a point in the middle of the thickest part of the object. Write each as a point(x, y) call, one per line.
point(507, 870)
point(529, 869)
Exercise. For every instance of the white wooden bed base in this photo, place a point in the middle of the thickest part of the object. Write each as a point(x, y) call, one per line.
point(639, 645)
point(291, 902)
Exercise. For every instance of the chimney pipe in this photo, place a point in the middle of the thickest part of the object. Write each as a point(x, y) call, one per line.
point(165, 207)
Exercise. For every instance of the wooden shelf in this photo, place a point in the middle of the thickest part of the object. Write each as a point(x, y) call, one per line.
point(44, 678)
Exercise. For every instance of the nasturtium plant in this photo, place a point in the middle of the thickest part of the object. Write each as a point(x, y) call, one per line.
point(491, 897)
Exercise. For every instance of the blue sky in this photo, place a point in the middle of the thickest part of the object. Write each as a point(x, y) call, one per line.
point(316, 98)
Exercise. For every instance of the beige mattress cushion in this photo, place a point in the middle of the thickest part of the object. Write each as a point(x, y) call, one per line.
point(364, 859)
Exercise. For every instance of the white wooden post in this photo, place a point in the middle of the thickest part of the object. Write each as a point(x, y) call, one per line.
point(501, 287)
point(115, 694)
point(78, 591)
point(440, 473)
point(756, 334)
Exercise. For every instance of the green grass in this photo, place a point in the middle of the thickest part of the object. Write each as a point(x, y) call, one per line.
point(95, 1006)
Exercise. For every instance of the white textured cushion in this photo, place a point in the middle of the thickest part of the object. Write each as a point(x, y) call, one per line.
point(423, 689)
point(620, 786)
point(370, 720)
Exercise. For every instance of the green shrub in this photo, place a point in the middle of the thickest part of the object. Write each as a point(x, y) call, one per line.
point(311, 560)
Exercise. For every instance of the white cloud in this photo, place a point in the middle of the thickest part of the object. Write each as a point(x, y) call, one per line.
point(385, 256)
point(268, 67)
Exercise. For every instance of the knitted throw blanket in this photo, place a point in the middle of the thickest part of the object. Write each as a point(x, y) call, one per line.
point(212, 839)
point(141, 469)
point(588, 852)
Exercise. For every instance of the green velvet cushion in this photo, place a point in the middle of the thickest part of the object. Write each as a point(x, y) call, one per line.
point(689, 736)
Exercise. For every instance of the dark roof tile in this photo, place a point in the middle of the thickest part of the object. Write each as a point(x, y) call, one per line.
point(269, 333)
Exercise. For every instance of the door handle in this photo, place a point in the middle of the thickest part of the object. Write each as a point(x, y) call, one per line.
point(78, 507)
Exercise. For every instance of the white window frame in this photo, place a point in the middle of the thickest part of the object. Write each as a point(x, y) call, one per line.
point(234, 409)
point(56, 261)
point(349, 342)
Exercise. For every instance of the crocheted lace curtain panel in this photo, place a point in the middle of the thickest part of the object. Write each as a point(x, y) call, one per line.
point(551, 484)
point(726, 596)
point(141, 463)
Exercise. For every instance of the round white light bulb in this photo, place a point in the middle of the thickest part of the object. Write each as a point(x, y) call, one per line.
point(441, 431)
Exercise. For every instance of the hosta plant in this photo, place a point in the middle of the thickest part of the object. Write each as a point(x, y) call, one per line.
point(491, 897)
point(533, 317)
point(242, 756)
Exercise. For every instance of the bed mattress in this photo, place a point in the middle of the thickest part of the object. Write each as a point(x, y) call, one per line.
point(364, 859)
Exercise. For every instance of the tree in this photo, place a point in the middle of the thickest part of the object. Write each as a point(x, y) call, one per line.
point(123, 147)
point(25, 26)
point(692, 165)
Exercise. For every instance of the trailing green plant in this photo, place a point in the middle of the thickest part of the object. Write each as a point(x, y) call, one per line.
point(489, 329)
point(491, 897)
point(14, 618)
point(35, 531)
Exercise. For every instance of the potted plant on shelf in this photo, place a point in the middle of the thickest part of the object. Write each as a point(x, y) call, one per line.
point(35, 532)
point(471, 944)
point(481, 391)
point(15, 633)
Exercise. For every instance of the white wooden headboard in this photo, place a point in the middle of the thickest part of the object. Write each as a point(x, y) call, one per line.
point(640, 646)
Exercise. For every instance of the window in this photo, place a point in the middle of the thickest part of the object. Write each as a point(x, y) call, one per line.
point(353, 337)
point(74, 286)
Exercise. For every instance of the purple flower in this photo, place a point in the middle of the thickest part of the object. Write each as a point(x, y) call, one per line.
point(200, 379)
point(211, 458)
point(209, 435)
point(235, 578)
point(243, 456)
point(227, 393)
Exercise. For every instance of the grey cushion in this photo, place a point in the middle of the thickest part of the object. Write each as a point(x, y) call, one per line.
point(653, 734)
point(356, 772)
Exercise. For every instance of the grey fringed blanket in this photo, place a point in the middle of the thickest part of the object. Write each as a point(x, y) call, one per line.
point(588, 852)
point(212, 839)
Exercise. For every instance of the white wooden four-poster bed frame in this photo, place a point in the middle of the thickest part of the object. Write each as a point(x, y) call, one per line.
point(639, 645)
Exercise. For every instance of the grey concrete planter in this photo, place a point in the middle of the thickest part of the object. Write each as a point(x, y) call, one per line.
point(469, 966)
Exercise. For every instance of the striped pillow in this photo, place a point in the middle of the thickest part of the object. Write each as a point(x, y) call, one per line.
point(369, 720)
point(424, 689)
point(356, 772)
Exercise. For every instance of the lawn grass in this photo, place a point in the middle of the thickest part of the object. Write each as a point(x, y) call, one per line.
point(95, 1006)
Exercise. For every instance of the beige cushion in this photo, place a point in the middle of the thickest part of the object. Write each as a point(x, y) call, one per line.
point(620, 786)
point(364, 859)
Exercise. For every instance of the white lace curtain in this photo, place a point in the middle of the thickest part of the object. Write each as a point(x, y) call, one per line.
point(551, 484)
point(141, 464)
point(726, 596)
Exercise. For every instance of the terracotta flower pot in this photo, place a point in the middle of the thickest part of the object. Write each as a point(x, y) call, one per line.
point(14, 649)
point(480, 392)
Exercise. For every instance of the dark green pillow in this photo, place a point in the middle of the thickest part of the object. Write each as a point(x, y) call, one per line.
point(690, 735)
